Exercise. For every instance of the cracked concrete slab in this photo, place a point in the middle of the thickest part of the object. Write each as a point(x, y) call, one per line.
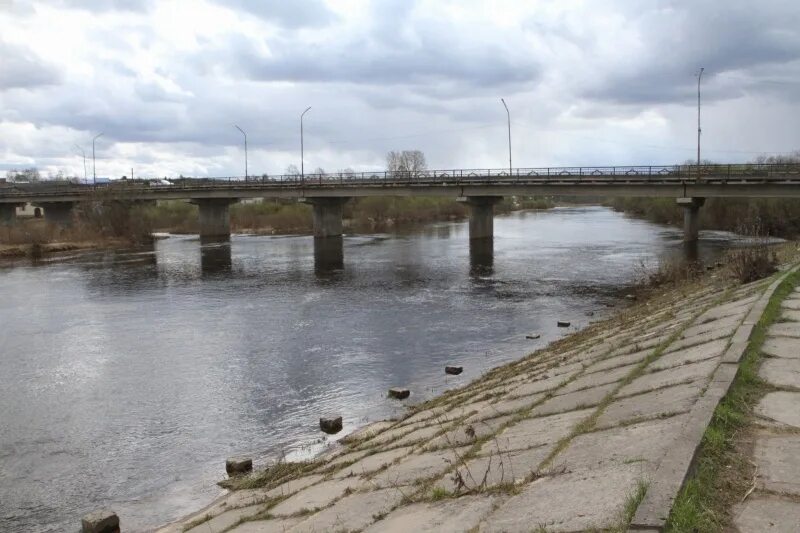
point(459, 515)
point(738, 306)
point(778, 464)
point(266, 526)
point(420, 435)
point(784, 329)
point(785, 348)
point(371, 463)
point(352, 513)
point(488, 471)
point(619, 360)
point(578, 501)
point(702, 338)
point(505, 407)
point(533, 432)
point(781, 372)
point(728, 323)
point(671, 376)
point(658, 403)
point(467, 433)
point(701, 352)
point(790, 314)
point(543, 385)
point(224, 521)
point(596, 379)
point(643, 443)
point(417, 467)
point(781, 407)
point(762, 514)
point(315, 496)
point(574, 400)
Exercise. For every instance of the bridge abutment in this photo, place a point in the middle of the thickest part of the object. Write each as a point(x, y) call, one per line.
point(59, 213)
point(327, 215)
point(481, 215)
point(691, 217)
point(215, 218)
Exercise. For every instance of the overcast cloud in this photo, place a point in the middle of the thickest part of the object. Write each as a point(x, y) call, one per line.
point(591, 82)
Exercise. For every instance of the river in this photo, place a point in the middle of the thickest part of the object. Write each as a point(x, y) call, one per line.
point(129, 376)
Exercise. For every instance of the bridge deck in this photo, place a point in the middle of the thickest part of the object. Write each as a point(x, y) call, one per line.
point(663, 181)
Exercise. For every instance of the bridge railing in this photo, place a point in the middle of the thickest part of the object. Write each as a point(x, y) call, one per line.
point(568, 175)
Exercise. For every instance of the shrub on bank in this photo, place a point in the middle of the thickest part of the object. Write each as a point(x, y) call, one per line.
point(757, 260)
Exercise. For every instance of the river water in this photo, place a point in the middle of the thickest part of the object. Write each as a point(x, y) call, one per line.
point(128, 377)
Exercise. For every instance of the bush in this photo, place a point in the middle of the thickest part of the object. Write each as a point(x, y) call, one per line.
point(755, 261)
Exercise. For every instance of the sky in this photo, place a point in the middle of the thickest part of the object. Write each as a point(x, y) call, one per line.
point(589, 83)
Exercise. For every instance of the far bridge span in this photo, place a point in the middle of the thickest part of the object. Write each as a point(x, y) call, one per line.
point(478, 188)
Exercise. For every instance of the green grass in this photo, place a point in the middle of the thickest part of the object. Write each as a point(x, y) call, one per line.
point(705, 500)
point(631, 504)
point(270, 477)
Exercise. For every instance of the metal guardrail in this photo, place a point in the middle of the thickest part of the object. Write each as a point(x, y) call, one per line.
point(651, 174)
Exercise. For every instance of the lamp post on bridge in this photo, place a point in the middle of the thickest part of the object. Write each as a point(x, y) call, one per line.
point(94, 165)
point(699, 77)
point(509, 135)
point(245, 150)
point(302, 158)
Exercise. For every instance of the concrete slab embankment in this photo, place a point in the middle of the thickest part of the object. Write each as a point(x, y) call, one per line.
point(574, 437)
point(774, 504)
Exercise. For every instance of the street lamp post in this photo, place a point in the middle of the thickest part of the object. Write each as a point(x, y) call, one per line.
point(245, 150)
point(302, 159)
point(94, 165)
point(83, 153)
point(699, 77)
point(509, 135)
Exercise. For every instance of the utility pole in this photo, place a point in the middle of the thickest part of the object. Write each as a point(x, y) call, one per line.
point(94, 165)
point(302, 157)
point(509, 135)
point(699, 77)
point(245, 150)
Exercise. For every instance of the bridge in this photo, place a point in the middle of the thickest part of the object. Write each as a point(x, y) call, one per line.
point(480, 189)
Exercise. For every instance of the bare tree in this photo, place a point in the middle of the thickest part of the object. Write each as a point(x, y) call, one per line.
point(292, 170)
point(28, 175)
point(408, 163)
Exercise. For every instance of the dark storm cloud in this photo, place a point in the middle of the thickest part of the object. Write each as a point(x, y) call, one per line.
point(21, 68)
point(678, 39)
point(286, 13)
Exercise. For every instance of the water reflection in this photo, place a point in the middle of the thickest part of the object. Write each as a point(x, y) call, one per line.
point(481, 257)
point(328, 255)
point(215, 258)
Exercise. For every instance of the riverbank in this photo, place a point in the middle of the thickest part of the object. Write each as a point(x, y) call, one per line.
point(776, 217)
point(586, 423)
point(11, 251)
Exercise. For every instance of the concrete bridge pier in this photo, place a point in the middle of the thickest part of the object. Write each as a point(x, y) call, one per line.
point(59, 213)
point(691, 216)
point(481, 215)
point(8, 214)
point(215, 218)
point(327, 215)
